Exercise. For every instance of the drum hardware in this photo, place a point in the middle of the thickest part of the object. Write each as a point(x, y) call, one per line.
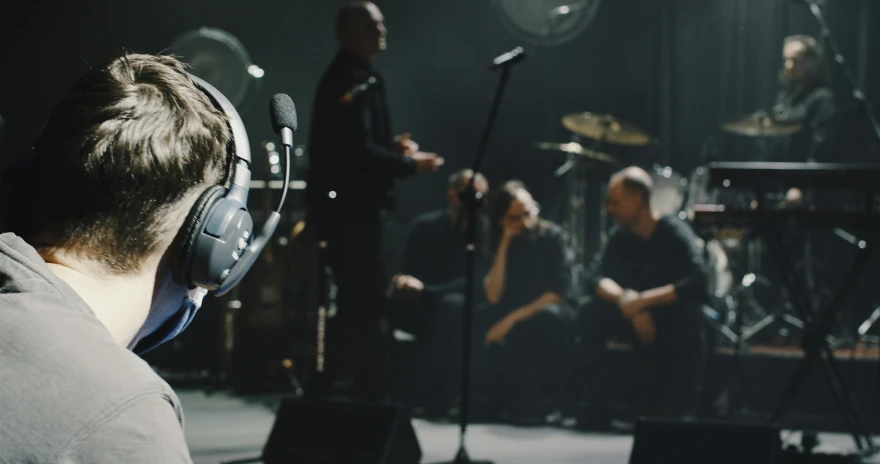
point(600, 160)
point(605, 128)
point(583, 163)
point(761, 124)
point(866, 327)
point(668, 195)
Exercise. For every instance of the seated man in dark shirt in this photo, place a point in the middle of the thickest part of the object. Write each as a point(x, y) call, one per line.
point(649, 285)
point(428, 293)
point(524, 324)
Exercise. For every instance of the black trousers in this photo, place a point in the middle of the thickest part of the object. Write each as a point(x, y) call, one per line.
point(436, 319)
point(529, 369)
point(670, 370)
point(357, 337)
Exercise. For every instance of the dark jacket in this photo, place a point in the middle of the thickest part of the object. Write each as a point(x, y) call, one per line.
point(816, 109)
point(351, 150)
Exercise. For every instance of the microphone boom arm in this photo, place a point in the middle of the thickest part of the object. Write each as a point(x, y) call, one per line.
point(838, 58)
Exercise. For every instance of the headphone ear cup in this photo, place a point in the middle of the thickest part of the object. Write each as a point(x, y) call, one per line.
point(185, 242)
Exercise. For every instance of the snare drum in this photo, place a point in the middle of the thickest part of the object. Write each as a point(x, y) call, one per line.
point(669, 191)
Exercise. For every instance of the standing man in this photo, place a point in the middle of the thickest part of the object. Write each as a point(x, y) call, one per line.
point(354, 161)
point(649, 285)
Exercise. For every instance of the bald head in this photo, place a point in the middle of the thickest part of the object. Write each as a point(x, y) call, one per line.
point(629, 197)
point(360, 28)
point(636, 180)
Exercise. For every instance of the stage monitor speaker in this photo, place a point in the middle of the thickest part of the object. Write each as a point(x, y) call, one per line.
point(680, 441)
point(341, 432)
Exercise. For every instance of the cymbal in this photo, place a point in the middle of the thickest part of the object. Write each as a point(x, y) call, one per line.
point(607, 128)
point(760, 124)
point(577, 149)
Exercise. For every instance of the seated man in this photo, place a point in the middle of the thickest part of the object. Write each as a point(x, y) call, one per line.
point(86, 278)
point(524, 324)
point(649, 287)
point(428, 293)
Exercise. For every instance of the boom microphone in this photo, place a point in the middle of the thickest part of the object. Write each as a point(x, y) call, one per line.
point(283, 116)
point(282, 112)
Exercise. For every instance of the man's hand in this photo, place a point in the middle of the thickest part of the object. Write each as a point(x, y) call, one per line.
point(630, 303)
point(405, 287)
point(643, 325)
point(510, 229)
point(405, 144)
point(500, 329)
point(426, 162)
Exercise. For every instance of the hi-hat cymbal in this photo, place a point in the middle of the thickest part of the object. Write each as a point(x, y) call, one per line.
point(577, 149)
point(606, 128)
point(760, 124)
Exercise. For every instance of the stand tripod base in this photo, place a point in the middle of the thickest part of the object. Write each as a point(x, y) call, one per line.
point(462, 458)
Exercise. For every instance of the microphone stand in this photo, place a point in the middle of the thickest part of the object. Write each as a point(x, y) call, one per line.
point(863, 103)
point(471, 200)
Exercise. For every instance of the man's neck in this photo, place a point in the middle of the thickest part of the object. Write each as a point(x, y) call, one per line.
point(121, 303)
point(365, 58)
point(647, 224)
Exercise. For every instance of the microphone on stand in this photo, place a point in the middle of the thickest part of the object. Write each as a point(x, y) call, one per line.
point(508, 59)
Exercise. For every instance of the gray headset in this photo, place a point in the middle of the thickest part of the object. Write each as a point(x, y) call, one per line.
point(216, 246)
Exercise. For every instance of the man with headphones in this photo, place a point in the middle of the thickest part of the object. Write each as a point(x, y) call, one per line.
point(135, 195)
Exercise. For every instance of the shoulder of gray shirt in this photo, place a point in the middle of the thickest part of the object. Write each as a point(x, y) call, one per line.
point(67, 374)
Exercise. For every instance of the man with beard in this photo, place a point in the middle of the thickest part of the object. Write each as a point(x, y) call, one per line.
point(805, 97)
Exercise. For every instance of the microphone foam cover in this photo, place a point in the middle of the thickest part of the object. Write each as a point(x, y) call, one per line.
point(282, 112)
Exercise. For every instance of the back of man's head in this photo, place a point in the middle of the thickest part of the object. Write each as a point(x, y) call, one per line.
point(117, 154)
point(461, 178)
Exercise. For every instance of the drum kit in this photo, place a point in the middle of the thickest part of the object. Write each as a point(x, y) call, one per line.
point(741, 295)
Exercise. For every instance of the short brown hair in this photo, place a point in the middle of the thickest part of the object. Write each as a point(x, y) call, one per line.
point(127, 141)
point(459, 179)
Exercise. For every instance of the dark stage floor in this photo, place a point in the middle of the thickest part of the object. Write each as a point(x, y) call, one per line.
point(222, 427)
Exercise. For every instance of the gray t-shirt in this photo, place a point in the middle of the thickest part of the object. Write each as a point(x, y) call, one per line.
point(68, 392)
